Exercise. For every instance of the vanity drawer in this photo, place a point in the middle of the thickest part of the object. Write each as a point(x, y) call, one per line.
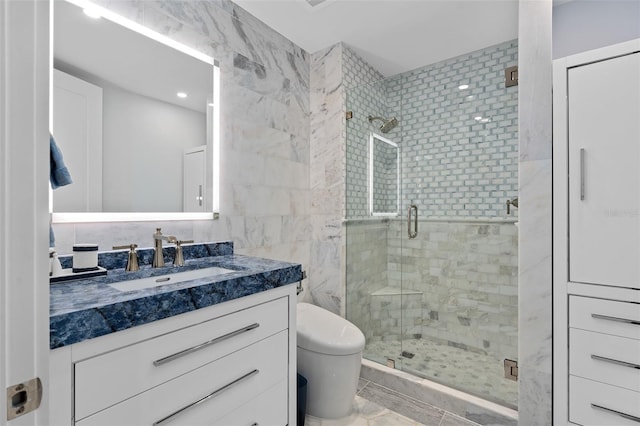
point(107, 379)
point(597, 404)
point(268, 409)
point(605, 358)
point(605, 316)
point(231, 382)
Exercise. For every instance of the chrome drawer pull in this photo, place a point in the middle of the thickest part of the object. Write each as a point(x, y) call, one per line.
point(616, 319)
point(180, 354)
point(213, 394)
point(623, 415)
point(615, 361)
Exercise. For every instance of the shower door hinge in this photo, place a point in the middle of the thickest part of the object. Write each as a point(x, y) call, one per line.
point(511, 369)
point(349, 115)
point(511, 76)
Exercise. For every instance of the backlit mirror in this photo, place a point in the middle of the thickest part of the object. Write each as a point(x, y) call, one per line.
point(135, 115)
point(383, 176)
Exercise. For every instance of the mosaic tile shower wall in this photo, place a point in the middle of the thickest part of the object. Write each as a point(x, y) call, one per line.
point(460, 147)
point(385, 176)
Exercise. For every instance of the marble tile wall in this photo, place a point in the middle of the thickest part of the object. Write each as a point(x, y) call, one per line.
point(327, 178)
point(265, 152)
point(535, 188)
point(467, 275)
point(333, 71)
point(366, 269)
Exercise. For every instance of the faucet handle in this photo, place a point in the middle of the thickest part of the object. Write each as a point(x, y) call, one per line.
point(179, 259)
point(132, 261)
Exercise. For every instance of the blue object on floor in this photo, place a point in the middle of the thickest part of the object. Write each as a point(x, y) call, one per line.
point(302, 399)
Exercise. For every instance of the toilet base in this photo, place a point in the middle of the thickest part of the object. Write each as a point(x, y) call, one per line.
point(332, 381)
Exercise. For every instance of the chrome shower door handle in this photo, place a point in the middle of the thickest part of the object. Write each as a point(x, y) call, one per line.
point(413, 211)
point(200, 195)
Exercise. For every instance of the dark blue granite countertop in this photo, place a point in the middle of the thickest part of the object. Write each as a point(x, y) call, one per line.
point(87, 308)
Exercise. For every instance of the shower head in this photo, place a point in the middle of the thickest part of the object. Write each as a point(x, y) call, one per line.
point(387, 125)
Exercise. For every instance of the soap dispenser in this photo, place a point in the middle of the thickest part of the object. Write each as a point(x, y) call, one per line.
point(55, 268)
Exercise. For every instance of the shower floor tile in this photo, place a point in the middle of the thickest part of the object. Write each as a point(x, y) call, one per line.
point(471, 372)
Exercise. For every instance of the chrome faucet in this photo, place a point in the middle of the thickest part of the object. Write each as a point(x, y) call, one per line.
point(158, 258)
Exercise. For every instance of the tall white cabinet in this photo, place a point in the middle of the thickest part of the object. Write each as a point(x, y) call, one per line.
point(596, 173)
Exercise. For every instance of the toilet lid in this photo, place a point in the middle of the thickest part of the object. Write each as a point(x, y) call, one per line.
point(325, 332)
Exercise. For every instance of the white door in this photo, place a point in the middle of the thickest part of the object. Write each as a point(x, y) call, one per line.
point(604, 172)
point(77, 128)
point(194, 179)
point(24, 221)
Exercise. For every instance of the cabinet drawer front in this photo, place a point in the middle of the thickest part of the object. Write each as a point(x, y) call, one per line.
point(605, 316)
point(107, 379)
point(268, 409)
point(597, 404)
point(605, 358)
point(268, 357)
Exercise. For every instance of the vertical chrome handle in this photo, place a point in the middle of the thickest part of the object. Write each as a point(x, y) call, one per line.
point(582, 174)
point(412, 208)
point(200, 195)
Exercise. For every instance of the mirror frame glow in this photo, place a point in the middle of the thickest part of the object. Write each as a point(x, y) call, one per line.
point(147, 216)
point(372, 138)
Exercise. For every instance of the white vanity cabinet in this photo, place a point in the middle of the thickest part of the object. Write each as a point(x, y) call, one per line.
point(596, 278)
point(228, 364)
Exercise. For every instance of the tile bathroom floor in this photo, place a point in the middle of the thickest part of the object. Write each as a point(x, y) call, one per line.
point(369, 409)
point(471, 372)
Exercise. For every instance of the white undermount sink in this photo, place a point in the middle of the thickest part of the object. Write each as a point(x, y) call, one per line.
point(177, 277)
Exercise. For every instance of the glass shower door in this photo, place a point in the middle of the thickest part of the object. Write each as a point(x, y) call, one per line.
point(459, 271)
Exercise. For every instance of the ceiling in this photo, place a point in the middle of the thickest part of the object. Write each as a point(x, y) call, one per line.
point(392, 35)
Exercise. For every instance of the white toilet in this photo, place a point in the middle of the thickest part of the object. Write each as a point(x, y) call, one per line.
point(329, 357)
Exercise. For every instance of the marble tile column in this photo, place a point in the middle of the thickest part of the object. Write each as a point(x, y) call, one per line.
point(327, 174)
point(535, 215)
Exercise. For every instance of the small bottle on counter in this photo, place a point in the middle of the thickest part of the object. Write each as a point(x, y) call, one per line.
point(55, 268)
point(85, 257)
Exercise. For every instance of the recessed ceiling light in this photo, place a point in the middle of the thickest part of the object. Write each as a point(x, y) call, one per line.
point(485, 120)
point(92, 12)
point(477, 117)
point(463, 86)
point(181, 95)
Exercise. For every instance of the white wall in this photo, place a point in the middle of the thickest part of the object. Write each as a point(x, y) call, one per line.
point(582, 25)
point(143, 143)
